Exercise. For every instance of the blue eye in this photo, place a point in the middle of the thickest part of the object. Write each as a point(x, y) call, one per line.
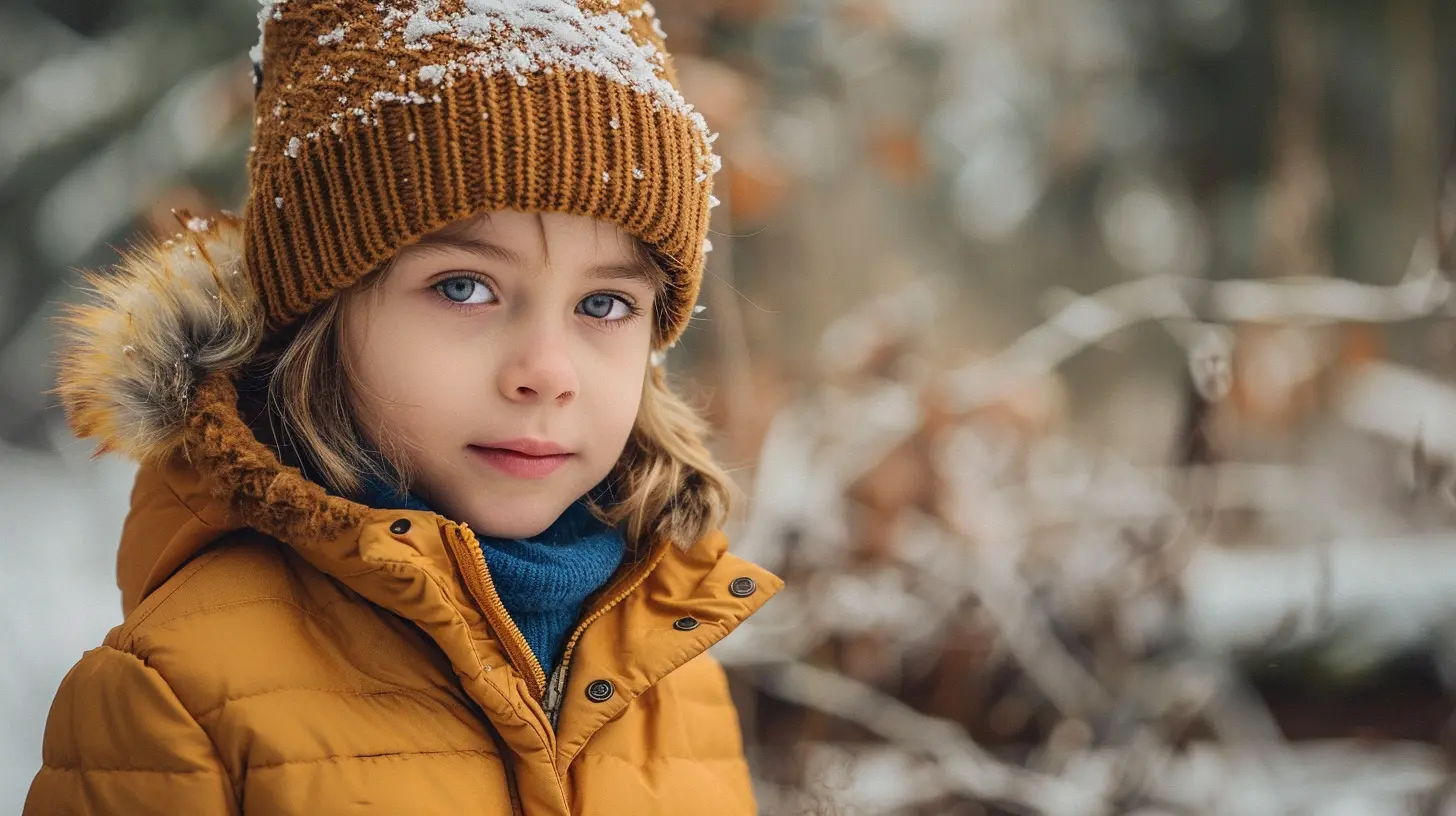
point(605, 307)
point(465, 291)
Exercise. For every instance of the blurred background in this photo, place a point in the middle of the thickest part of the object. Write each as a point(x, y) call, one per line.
point(1090, 366)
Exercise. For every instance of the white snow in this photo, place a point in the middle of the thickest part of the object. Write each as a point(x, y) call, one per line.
point(333, 37)
point(522, 37)
point(294, 144)
point(268, 8)
point(413, 98)
point(517, 38)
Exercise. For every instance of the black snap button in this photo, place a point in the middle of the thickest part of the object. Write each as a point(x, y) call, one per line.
point(400, 527)
point(743, 587)
point(600, 691)
point(687, 624)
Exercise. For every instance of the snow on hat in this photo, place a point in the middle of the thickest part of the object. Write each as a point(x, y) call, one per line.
point(379, 122)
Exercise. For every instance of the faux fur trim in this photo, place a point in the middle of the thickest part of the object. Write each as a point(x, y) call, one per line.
point(247, 476)
point(176, 311)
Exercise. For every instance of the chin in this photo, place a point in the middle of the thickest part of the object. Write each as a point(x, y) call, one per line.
point(519, 522)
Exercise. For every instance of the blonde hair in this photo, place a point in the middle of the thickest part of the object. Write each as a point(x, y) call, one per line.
point(665, 485)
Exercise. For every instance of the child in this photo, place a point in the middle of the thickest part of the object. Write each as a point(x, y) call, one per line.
point(418, 526)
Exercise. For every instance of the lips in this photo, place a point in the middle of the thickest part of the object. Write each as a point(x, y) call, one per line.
point(523, 458)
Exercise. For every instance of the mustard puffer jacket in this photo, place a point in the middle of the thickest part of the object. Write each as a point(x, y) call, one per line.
point(288, 651)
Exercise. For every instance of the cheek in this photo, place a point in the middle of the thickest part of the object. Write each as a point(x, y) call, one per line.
point(620, 404)
point(389, 368)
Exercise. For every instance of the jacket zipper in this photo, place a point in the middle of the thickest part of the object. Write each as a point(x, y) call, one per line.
point(480, 584)
point(555, 691)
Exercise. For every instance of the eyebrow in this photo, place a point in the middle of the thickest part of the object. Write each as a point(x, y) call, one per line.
point(639, 270)
point(445, 240)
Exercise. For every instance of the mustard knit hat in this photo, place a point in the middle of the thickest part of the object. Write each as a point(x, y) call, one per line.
point(379, 122)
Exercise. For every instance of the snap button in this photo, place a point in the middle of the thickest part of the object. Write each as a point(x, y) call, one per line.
point(743, 587)
point(687, 624)
point(600, 691)
point(400, 527)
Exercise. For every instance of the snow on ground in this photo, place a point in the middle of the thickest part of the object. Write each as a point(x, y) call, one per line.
point(61, 520)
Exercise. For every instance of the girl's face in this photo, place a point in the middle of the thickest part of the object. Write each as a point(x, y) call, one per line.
point(506, 354)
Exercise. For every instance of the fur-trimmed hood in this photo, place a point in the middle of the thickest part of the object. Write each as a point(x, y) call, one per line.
point(147, 369)
point(176, 311)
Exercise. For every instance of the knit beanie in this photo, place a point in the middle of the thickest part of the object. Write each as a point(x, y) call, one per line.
point(378, 122)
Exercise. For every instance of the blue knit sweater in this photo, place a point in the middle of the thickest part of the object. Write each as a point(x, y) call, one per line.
point(542, 580)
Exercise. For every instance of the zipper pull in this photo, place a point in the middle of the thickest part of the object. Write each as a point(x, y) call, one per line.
point(555, 692)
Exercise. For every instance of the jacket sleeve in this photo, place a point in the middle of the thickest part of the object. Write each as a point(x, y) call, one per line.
point(119, 741)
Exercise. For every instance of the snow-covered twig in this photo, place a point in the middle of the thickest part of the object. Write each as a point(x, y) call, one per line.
point(966, 767)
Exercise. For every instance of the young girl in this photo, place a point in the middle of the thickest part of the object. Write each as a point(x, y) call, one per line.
point(418, 527)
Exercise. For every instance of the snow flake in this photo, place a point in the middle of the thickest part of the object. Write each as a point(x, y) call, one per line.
point(411, 136)
point(267, 9)
point(606, 176)
point(197, 224)
point(614, 123)
point(638, 174)
point(326, 71)
point(294, 145)
point(699, 309)
point(707, 246)
point(433, 74)
point(278, 202)
point(713, 201)
point(333, 37)
point(701, 177)
point(413, 97)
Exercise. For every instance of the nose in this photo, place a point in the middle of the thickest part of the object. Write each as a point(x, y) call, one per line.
point(540, 370)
